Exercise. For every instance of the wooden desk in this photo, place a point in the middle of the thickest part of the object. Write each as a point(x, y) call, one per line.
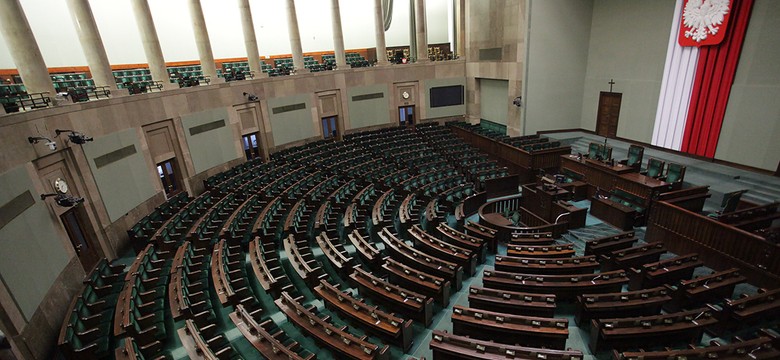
point(607, 178)
point(454, 347)
point(682, 327)
point(369, 317)
point(621, 304)
point(339, 340)
point(512, 302)
point(417, 306)
point(271, 345)
point(667, 271)
point(524, 330)
point(565, 287)
point(565, 265)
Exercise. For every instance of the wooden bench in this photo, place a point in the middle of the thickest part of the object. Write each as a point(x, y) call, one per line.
point(550, 266)
point(415, 305)
point(541, 238)
point(540, 251)
point(523, 330)
point(271, 342)
point(751, 309)
point(302, 260)
point(204, 343)
point(621, 304)
point(335, 338)
point(421, 261)
point(565, 287)
point(485, 233)
point(228, 274)
point(609, 243)
point(668, 271)
point(265, 264)
point(450, 346)
point(705, 289)
point(335, 253)
point(369, 317)
point(633, 257)
point(366, 250)
point(512, 302)
point(461, 239)
point(681, 327)
point(426, 242)
point(765, 346)
point(429, 285)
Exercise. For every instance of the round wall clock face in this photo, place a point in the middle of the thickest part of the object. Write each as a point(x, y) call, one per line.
point(405, 95)
point(61, 186)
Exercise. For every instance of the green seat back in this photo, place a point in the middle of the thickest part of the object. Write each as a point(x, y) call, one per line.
point(675, 172)
point(655, 168)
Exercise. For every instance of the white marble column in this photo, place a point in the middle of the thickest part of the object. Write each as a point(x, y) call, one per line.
point(24, 49)
point(250, 39)
point(152, 49)
point(338, 35)
point(91, 43)
point(295, 37)
point(422, 35)
point(202, 41)
point(379, 28)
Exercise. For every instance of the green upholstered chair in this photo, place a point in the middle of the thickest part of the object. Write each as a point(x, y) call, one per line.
point(655, 168)
point(635, 153)
point(674, 173)
point(593, 150)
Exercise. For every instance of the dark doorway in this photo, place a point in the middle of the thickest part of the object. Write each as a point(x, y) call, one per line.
point(82, 242)
point(251, 146)
point(608, 114)
point(167, 172)
point(330, 127)
point(406, 115)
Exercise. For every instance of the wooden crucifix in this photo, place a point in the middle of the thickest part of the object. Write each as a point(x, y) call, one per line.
point(611, 82)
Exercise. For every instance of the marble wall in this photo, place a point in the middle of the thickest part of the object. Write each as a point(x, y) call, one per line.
point(495, 49)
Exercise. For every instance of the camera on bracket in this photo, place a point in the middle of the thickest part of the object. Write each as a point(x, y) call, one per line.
point(64, 200)
point(74, 136)
point(251, 97)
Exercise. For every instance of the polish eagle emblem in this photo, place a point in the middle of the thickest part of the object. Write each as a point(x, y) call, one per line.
point(703, 18)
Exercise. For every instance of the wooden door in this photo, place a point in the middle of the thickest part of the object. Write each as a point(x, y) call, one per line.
point(608, 114)
point(79, 235)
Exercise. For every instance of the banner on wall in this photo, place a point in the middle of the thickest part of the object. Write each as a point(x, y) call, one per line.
point(704, 22)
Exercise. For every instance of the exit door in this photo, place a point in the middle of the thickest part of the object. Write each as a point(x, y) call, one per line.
point(406, 115)
point(82, 242)
point(608, 114)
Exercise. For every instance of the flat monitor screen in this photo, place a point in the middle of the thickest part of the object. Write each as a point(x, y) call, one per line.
point(446, 96)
